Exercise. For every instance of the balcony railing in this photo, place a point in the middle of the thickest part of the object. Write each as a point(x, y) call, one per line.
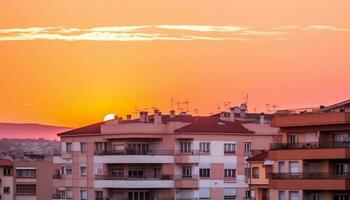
point(110, 177)
point(313, 175)
point(192, 152)
point(134, 152)
point(309, 145)
point(186, 177)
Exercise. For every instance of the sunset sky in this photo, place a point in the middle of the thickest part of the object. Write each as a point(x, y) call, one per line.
point(69, 63)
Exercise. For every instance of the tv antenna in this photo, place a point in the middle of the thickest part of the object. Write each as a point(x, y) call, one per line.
point(172, 103)
point(227, 105)
point(187, 104)
point(245, 99)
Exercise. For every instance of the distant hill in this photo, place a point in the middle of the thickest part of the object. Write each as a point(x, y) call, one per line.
point(14, 130)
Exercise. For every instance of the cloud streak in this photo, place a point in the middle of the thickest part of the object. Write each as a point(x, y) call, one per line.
point(157, 32)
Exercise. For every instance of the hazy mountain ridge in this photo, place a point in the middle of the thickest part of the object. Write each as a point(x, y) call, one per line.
point(30, 130)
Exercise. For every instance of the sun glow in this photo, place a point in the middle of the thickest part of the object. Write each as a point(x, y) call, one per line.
point(109, 117)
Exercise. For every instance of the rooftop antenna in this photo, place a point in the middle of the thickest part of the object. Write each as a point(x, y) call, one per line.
point(196, 111)
point(218, 107)
point(274, 108)
point(227, 105)
point(178, 106)
point(172, 103)
point(187, 103)
point(268, 107)
point(245, 98)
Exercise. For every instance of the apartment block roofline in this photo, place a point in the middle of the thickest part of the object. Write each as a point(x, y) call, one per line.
point(6, 163)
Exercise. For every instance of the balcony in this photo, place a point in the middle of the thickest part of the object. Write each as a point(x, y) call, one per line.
point(311, 119)
point(184, 182)
point(132, 156)
point(187, 157)
point(309, 150)
point(108, 181)
point(309, 181)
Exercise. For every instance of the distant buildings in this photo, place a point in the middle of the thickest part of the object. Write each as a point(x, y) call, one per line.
point(163, 156)
point(311, 162)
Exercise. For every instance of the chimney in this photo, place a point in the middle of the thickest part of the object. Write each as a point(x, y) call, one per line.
point(232, 114)
point(128, 117)
point(172, 113)
point(143, 116)
point(262, 118)
point(243, 108)
point(157, 117)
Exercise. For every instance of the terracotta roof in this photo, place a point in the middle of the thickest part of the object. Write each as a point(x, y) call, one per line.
point(214, 125)
point(260, 157)
point(5, 163)
point(92, 128)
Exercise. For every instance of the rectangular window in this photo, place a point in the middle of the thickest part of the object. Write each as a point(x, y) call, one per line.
point(247, 146)
point(83, 194)
point(255, 172)
point(293, 195)
point(7, 171)
point(69, 193)
point(83, 147)
point(98, 195)
point(117, 172)
point(68, 147)
point(230, 173)
point(204, 147)
point(99, 146)
point(28, 189)
point(6, 190)
point(293, 167)
point(139, 195)
point(83, 171)
point(26, 173)
point(247, 194)
point(185, 147)
point(230, 148)
point(281, 195)
point(135, 173)
point(292, 138)
point(68, 170)
point(281, 167)
point(186, 171)
point(138, 149)
point(205, 172)
point(230, 193)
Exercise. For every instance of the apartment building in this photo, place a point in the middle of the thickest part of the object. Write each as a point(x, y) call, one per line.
point(6, 179)
point(313, 160)
point(162, 156)
point(258, 180)
point(26, 178)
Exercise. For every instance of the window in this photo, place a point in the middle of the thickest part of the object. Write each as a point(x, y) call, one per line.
point(230, 173)
point(312, 195)
point(185, 147)
point(230, 193)
point(83, 147)
point(204, 193)
point(68, 147)
point(83, 194)
point(341, 196)
point(281, 167)
point(293, 195)
point(293, 167)
point(69, 193)
point(138, 148)
point(26, 173)
point(6, 190)
point(204, 147)
point(157, 172)
point(255, 172)
point(205, 172)
point(26, 189)
point(68, 170)
point(139, 195)
point(292, 138)
point(247, 194)
point(136, 173)
point(340, 169)
point(247, 146)
point(98, 195)
point(7, 171)
point(99, 146)
point(229, 148)
point(117, 172)
point(83, 171)
point(186, 171)
point(281, 195)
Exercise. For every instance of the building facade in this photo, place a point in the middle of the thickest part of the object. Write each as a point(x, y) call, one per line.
point(313, 160)
point(162, 156)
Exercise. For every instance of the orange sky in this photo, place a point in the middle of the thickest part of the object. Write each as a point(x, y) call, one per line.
point(72, 72)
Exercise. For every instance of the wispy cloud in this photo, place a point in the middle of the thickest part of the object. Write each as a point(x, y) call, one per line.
point(328, 27)
point(202, 28)
point(157, 32)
